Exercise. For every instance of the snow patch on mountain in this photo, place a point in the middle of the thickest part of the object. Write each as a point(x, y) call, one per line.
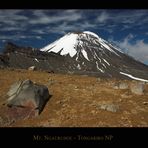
point(107, 47)
point(98, 67)
point(85, 54)
point(68, 44)
point(77, 58)
point(103, 65)
point(78, 66)
point(36, 60)
point(106, 62)
point(118, 49)
point(91, 33)
point(135, 78)
point(65, 44)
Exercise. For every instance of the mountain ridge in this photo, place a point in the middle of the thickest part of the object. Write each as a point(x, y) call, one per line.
point(78, 53)
point(89, 52)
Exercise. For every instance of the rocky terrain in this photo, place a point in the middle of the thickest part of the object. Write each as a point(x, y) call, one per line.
point(78, 101)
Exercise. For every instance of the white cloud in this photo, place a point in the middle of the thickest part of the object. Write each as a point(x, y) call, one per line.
point(138, 50)
point(38, 31)
point(43, 18)
point(11, 20)
point(127, 19)
point(38, 37)
point(3, 41)
point(64, 27)
point(103, 17)
point(10, 37)
point(22, 36)
point(129, 16)
point(12, 17)
point(11, 28)
point(86, 25)
point(63, 21)
point(17, 37)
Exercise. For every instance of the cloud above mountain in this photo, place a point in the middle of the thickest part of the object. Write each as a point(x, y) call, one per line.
point(37, 27)
point(138, 49)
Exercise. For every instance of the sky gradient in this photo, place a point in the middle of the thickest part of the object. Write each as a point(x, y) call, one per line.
point(127, 28)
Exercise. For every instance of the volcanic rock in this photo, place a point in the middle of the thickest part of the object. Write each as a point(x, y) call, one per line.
point(27, 94)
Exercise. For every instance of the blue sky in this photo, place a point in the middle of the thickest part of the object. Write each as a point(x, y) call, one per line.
point(127, 28)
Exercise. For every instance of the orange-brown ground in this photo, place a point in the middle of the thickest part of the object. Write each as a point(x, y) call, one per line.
point(75, 100)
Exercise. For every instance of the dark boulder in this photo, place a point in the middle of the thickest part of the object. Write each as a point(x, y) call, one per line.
point(29, 95)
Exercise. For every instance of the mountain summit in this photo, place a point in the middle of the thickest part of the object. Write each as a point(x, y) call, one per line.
point(78, 42)
point(88, 53)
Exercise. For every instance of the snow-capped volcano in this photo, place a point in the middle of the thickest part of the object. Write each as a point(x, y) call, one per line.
point(79, 53)
point(70, 43)
point(86, 52)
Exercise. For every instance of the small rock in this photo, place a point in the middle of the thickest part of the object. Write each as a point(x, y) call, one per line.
point(137, 88)
point(51, 81)
point(123, 85)
point(109, 107)
point(70, 72)
point(133, 111)
point(64, 105)
point(51, 71)
point(120, 100)
point(32, 68)
point(115, 87)
point(98, 79)
point(145, 103)
point(126, 95)
point(120, 85)
point(59, 102)
point(93, 111)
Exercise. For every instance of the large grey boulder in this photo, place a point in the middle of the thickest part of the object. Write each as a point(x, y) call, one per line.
point(28, 95)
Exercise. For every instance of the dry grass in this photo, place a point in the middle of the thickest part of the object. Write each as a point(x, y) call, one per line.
point(75, 100)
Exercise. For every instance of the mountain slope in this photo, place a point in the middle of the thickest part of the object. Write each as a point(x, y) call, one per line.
point(87, 53)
